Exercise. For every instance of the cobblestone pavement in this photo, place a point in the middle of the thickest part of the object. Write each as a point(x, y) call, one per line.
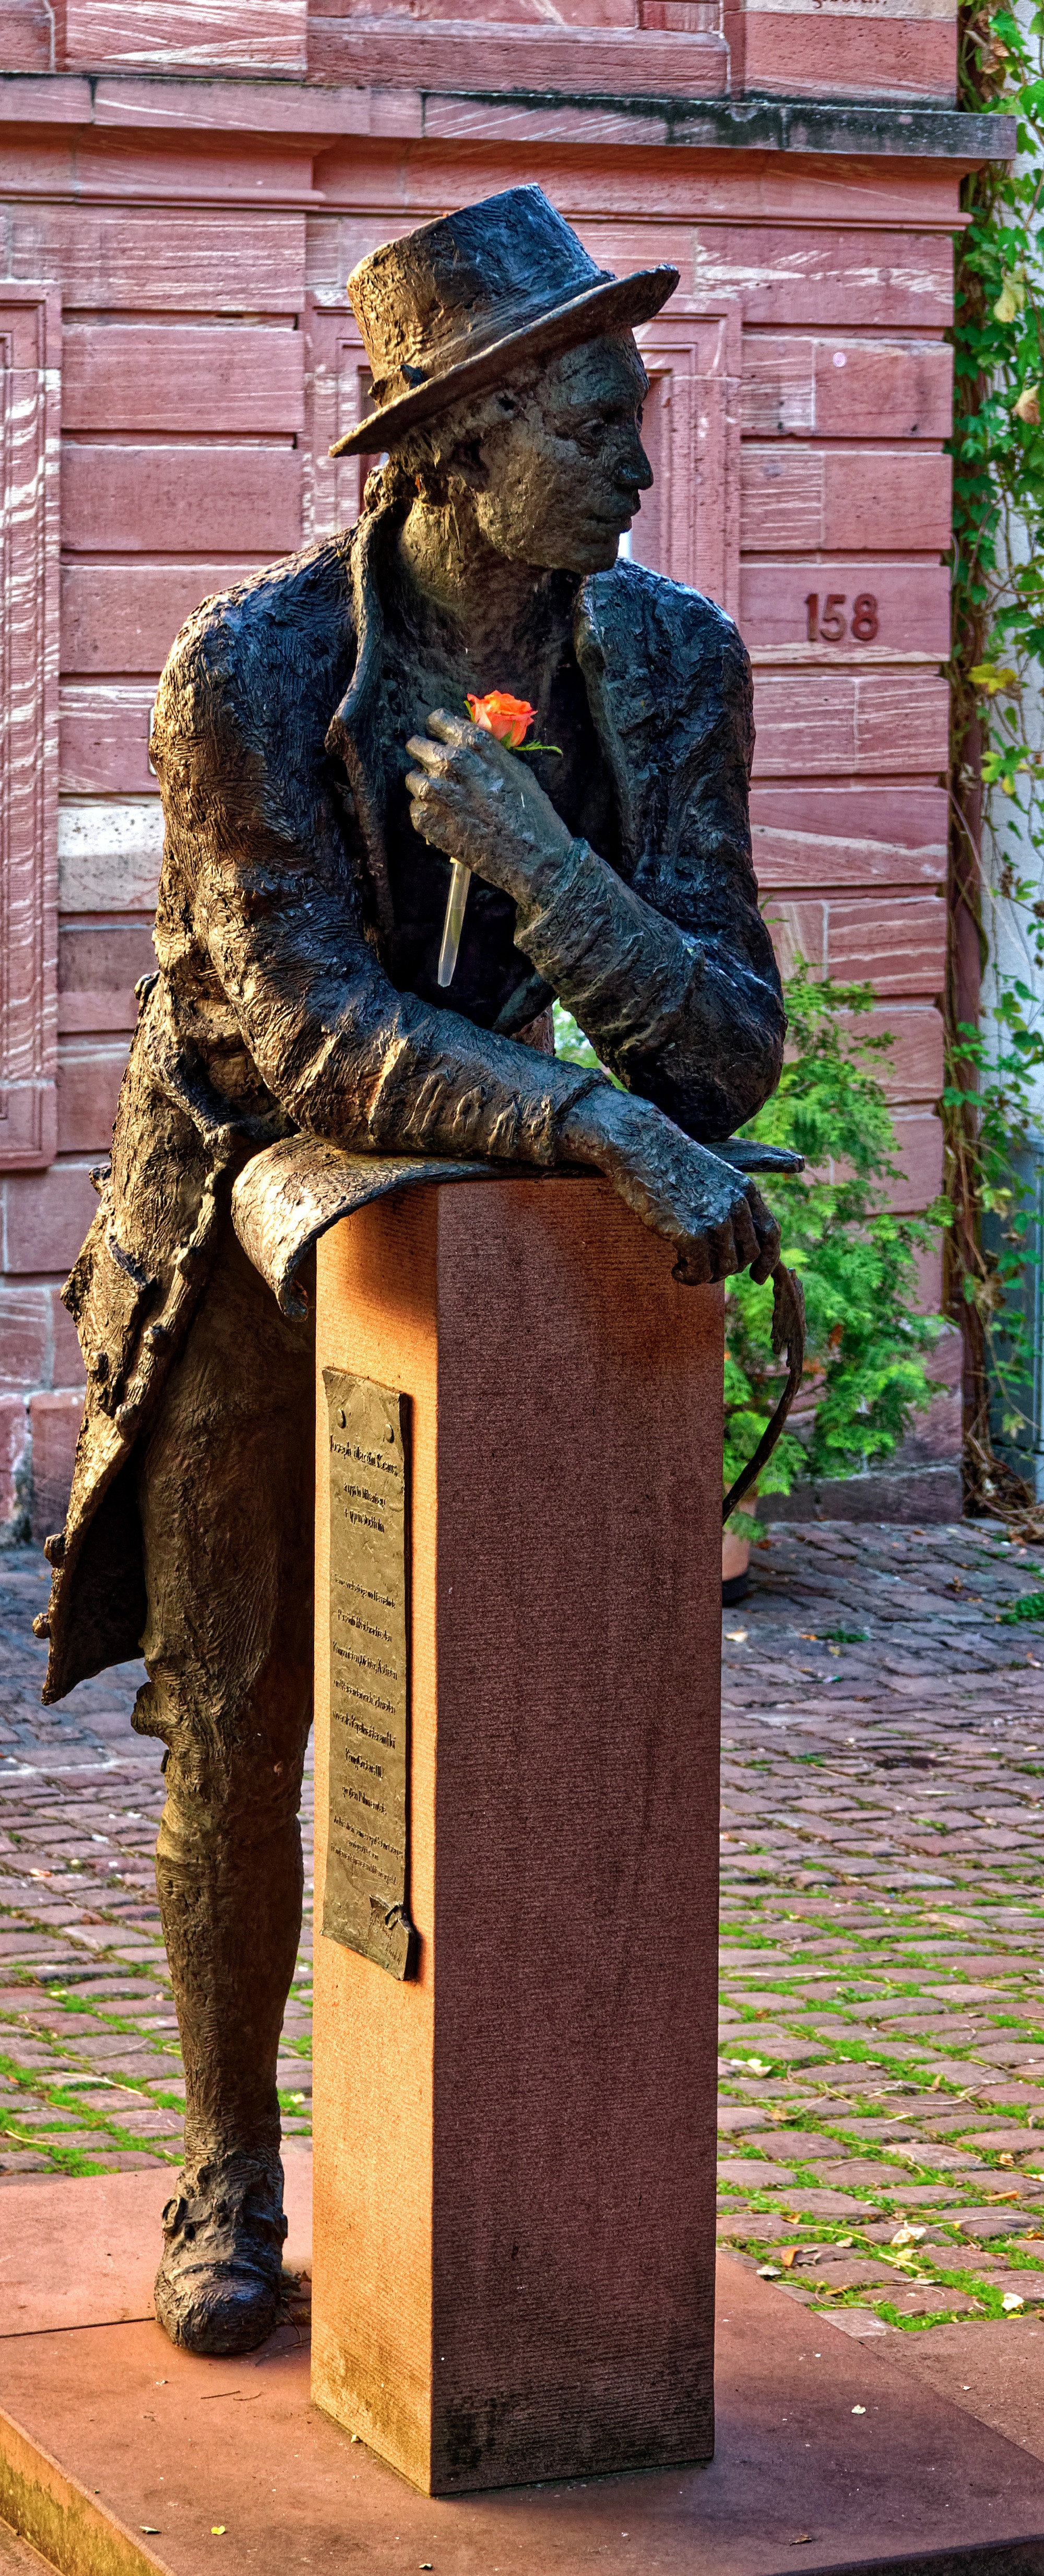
point(882, 2018)
point(882, 2041)
point(90, 2069)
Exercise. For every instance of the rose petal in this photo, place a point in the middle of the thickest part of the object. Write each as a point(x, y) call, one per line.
point(500, 714)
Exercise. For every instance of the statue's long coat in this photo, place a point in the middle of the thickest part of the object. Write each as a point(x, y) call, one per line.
point(273, 1009)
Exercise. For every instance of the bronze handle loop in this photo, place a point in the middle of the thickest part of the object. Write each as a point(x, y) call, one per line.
point(788, 1336)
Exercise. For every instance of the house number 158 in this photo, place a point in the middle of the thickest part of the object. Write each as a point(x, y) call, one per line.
point(828, 625)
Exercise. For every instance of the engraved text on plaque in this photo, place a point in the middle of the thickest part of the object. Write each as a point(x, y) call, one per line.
point(365, 1900)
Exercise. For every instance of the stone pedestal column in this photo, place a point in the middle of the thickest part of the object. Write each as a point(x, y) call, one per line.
point(514, 2145)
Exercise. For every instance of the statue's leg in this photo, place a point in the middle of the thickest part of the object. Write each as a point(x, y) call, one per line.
point(226, 1497)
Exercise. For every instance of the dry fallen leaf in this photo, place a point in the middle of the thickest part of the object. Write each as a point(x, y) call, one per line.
point(789, 2257)
point(799, 2538)
point(217, 2530)
point(858, 2410)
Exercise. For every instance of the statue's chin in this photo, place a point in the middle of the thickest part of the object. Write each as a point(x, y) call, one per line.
point(601, 558)
point(597, 554)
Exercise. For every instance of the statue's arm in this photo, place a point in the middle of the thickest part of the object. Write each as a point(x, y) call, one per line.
point(691, 1020)
point(255, 828)
point(256, 859)
point(673, 977)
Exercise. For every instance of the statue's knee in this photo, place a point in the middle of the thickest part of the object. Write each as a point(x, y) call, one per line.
point(149, 1715)
point(226, 1811)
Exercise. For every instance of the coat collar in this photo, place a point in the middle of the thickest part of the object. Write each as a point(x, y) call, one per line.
point(353, 735)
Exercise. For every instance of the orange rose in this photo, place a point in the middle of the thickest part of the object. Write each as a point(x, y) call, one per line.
point(508, 718)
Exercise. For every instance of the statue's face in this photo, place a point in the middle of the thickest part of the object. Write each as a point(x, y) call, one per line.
point(562, 477)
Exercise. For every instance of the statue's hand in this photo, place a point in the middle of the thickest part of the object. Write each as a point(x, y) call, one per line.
point(479, 803)
point(715, 1221)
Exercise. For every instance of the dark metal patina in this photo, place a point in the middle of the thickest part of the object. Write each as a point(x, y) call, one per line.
point(318, 775)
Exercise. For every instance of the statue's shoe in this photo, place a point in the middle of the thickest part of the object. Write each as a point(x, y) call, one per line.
point(218, 2288)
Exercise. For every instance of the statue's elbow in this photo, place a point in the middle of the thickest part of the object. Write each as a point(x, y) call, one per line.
point(756, 1069)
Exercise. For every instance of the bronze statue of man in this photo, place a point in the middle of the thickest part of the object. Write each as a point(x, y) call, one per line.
point(319, 773)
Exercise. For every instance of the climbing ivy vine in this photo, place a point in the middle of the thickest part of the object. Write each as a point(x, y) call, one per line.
point(995, 1063)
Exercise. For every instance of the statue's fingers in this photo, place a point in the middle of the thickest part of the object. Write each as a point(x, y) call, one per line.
point(430, 754)
point(427, 813)
point(447, 727)
point(745, 1232)
point(694, 1269)
point(721, 1244)
point(767, 1230)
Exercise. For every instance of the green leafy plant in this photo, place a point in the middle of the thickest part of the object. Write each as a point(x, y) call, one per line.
point(867, 1344)
point(1031, 1606)
point(994, 1069)
point(865, 1372)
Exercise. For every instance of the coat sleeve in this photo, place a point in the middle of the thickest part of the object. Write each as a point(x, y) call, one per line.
point(672, 977)
point(256, 856)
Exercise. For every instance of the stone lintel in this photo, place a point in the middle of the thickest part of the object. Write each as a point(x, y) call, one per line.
point(300, 110)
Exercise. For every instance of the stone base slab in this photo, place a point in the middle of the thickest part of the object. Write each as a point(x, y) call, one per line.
point(120, 2455)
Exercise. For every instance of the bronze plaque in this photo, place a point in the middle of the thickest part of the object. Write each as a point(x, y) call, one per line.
point(366, 1859)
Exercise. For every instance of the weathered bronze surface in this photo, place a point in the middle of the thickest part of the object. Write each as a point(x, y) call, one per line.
point(290, 1194)
point(366, 1869)
point(319, 774)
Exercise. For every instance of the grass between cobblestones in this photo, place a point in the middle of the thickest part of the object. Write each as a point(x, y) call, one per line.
point(882, 2006)
point(882, 2013)
point(90, 2067)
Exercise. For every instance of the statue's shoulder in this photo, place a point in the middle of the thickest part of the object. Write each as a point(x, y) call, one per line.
point(283, 636)
point(630, 601)
point(666, 656)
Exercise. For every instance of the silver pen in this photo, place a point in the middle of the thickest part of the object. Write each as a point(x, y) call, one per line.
point(456, 905)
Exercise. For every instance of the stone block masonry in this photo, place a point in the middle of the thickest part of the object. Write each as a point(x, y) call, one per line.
point(190, 187)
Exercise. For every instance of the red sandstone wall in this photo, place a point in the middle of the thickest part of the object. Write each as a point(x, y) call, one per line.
point(196, 235)
point(898, 50)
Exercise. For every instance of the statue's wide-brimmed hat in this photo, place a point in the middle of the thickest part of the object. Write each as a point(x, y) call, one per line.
point(450, 309)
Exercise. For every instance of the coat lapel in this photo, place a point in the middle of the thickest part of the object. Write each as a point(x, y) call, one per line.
point(616, 700)
point(353, 735)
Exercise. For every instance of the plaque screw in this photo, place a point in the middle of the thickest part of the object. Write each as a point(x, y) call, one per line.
point(341, 1417)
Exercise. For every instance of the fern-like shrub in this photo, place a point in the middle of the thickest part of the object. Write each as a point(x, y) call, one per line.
point(865, 1374)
